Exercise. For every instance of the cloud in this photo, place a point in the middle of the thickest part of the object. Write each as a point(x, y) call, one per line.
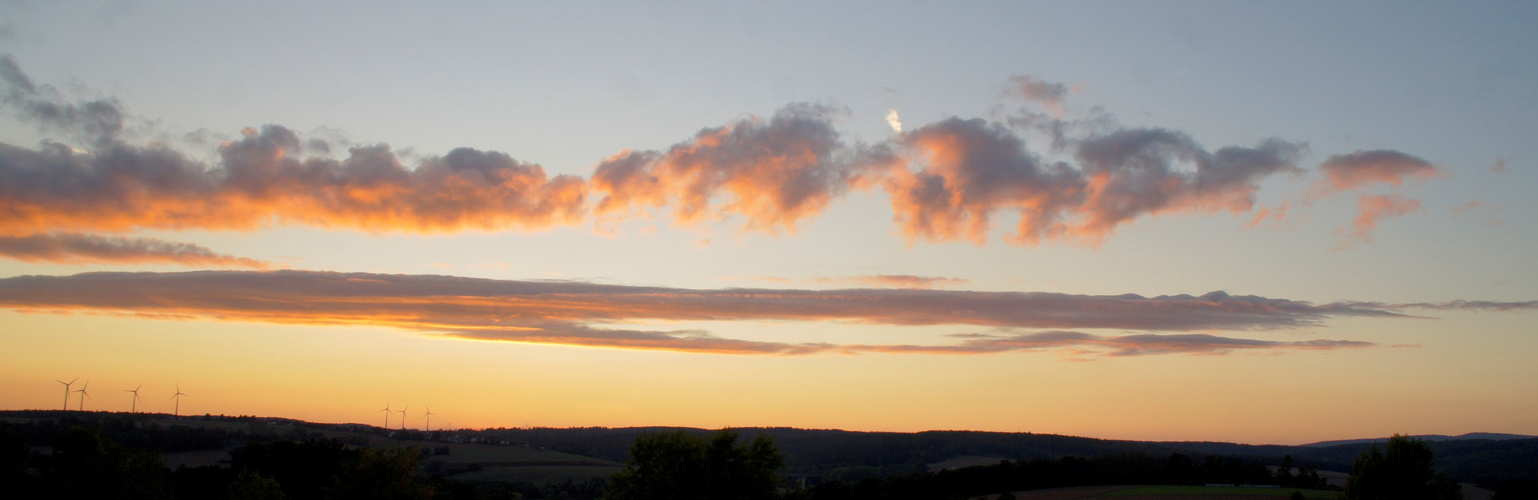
point(574, 313)
point(1500, 164)
point(96, 121)
point(1033, 89)
point(891, 281)
point(75, 248)
point(262, 179)
point(870, 280)
point(894, 121)
point(1372, 209)
point(1132, 173)
point(1360, 169)
point(773, 173)
point(1125, 345)
point(1473, 205)
point(971, 170)
point(1276, 216)
point(1456, 305)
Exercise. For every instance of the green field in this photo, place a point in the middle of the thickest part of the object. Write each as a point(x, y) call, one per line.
point(1218, 490)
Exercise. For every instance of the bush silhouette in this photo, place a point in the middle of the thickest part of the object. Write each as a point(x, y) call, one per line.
point(1402, 471)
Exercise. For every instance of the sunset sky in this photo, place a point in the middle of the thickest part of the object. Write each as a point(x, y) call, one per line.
point(1159, 221)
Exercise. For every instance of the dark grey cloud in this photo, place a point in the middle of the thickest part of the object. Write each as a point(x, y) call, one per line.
point(97, 121)
point(75, 248)
point(1133, 172)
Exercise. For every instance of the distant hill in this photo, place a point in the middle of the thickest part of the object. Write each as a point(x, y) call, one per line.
point(1493, 436)
point(579, 453)
point(854, 455)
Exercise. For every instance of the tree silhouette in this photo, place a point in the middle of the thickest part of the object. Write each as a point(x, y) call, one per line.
point(1404, 471)
point(681, 466)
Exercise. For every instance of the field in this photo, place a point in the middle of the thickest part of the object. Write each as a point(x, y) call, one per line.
point(1166, 493)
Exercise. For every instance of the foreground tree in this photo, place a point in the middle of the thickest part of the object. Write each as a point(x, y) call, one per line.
point(681, 466)
point(1404, 471)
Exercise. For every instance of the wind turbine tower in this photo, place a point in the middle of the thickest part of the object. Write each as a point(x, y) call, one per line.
point(403, 417)
point(66, 391)
point(83, 394)
point(387, 412)
point(178, 397)
point(429, 417)
point(135, 407)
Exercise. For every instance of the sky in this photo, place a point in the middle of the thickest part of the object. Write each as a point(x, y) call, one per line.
point(1157, 221)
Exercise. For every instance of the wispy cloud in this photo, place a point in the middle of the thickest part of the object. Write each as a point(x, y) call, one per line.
point(75, 248)
point(1033, 89)
point(1371, 210)
point(869, 280)
point(1125, 345)
point(891, 281)
point(576, 313)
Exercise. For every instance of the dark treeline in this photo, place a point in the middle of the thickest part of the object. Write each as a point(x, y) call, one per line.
point(127, 430)
point(84, 463)
point(1176, 469)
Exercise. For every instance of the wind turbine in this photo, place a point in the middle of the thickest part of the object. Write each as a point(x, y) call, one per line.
point(403, 417)
point(135, 390)
point(178, 398)
point(429, 417)
point(387, 412)
point(66, 391)
point(83, 394)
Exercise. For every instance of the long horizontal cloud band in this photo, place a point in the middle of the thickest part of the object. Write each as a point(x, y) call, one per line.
point(948, 180)
point(565, 312)
point(486, 302)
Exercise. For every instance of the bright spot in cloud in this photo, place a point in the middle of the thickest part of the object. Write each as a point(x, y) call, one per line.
point(894, 121)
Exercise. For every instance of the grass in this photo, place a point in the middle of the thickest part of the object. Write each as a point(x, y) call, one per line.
point(538, 475)
point(1219, 490)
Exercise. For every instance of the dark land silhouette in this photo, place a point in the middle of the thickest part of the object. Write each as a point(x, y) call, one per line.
point(163, 456)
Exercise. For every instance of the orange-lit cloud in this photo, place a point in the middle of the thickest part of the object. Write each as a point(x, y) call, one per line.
point(575, 313)
point(870, 280)
point(773, 173)
point(1364, 168)
point(972, 170)
point(1372, 209)
point(891, 281)
point(262, 180)
point(76, 248)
